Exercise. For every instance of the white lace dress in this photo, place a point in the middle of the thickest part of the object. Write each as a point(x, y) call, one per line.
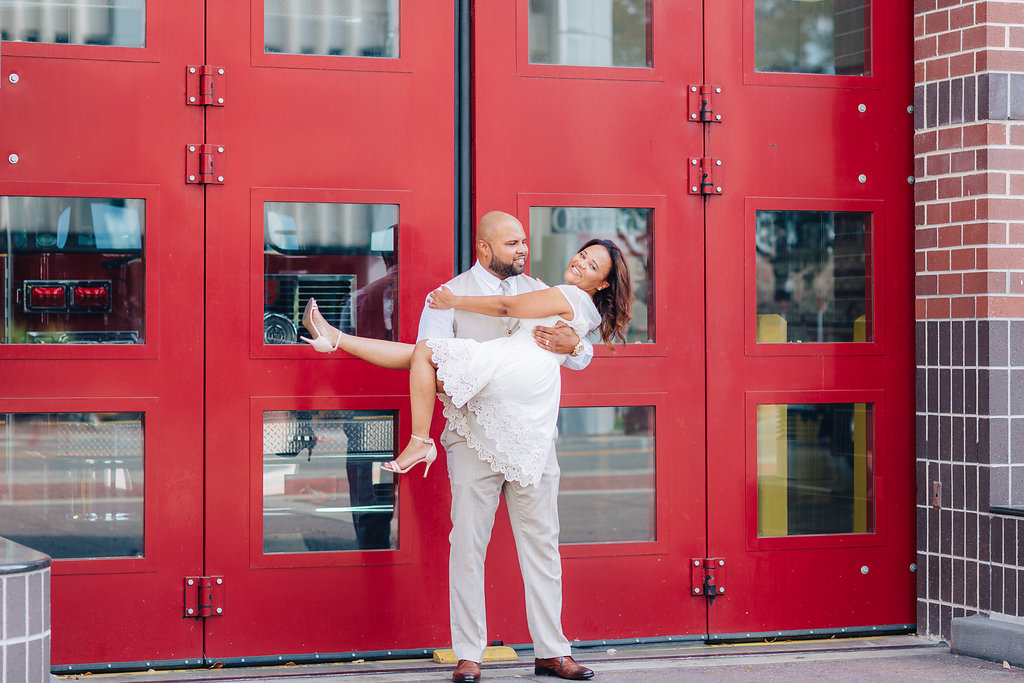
point(513, 387)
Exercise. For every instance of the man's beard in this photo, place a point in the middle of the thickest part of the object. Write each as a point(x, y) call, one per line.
point(506, 268)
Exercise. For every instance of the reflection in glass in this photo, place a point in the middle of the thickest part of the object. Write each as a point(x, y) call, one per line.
point(73, 270)
point(591, 32)
point(813, 36)
point(606, 491)
point(557, 232)
point(352, 28)
point(815, 467)
point(97, 22)
point(73, 484)
point(344, 255)
point(323, 487)
point(813, 280)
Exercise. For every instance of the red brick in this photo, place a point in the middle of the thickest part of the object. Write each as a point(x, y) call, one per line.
point(984, 233)
point(952, 187)
point(919, 167)
point(938, 261)
point(946, 44)
point(975, 136)
point(1017, 283)
point(943, 4)
point(961, 65)
point(999, 258)
point(920, 306)
point(919, 261)
point(983, 183)
point(936, 22)
point(925, 142)
point(1016, 35)
point(925, 48)
point(1004, 60)
point(937, 69)
point(962, 307)
point(1001, 13)
point(1017, 134)
point(961, 162)
point(975, 38)
point(938, 164)
point(1006, 159)
point(950, 138)
point(925, 238)
point(1000, 208)
point(919, 214)
point(949, 236)
point(1001, 306)
point(985, 283)
point(924, 191)
point(938, 308)
point(961, 212)
point(1016, 186)
point(961, 17)
point(938, 213)
point(961, 259)
point(925, 285)
point(919, 72)
point(918, 27)
point(1016, 233)
point(922, 6)
point(951, 283)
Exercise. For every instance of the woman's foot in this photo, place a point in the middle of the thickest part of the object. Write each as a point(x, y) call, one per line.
point(418, 450)
point(321, 330)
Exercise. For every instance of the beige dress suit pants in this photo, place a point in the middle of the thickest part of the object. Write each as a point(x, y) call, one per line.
point(533, 512)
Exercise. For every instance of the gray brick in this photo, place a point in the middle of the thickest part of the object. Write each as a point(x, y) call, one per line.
point(1016, 94)
point(15, 589)
point(15, 663)
point(998, 97)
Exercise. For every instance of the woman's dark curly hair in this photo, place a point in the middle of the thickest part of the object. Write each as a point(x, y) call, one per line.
point(614, 302)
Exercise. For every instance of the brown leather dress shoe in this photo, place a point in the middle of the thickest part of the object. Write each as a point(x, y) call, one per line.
point(563, 667)
point(466, 671)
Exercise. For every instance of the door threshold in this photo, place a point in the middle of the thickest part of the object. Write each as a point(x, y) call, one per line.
point(662, 655)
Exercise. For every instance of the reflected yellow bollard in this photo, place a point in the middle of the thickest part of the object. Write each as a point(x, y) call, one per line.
point(772, 454)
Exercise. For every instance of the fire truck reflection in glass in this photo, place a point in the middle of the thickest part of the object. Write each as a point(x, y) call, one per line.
point(73, 270)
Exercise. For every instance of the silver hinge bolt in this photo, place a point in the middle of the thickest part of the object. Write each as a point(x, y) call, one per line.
point(14, 78)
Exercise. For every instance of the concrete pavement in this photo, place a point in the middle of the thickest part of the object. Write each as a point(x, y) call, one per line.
point(899, 658)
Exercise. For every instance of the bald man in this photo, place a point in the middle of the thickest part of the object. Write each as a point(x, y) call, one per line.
point(501, 251)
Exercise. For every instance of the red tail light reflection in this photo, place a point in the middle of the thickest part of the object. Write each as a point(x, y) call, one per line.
point(46, 297)
point(91, 297)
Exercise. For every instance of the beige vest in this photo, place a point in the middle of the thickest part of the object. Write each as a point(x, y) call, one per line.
point(484, 327)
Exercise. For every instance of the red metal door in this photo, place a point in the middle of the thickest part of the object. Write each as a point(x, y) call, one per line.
point(338, 181)
point(101, 375)
point(809, 327)
point(581, 130)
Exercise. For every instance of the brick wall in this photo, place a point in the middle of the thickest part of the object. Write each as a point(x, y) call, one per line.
point(969, 235)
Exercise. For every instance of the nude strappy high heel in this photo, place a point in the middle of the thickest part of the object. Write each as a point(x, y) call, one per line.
point(429, 458)
point(319, 341)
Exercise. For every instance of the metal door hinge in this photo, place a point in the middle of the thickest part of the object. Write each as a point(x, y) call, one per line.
point(701, 104)
point(204, 596)
point(204, 85)
point(204, 164)
point(707, 577)
point(705, 176)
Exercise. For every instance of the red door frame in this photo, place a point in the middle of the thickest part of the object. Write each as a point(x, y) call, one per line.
point(81, 143)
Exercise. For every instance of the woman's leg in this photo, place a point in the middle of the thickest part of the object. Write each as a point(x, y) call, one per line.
point(380, 352)
point(423, 388)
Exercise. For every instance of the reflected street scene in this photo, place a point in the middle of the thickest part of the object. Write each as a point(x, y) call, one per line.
point(607, 489)
point(323, 486)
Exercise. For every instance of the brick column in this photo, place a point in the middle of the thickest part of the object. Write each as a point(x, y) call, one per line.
point(969, 165)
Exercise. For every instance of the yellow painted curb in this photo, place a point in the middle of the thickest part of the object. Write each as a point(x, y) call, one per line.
point(494, 653)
